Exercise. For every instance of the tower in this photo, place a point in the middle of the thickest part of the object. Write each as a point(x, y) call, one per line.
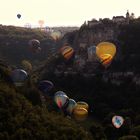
point(127, 17)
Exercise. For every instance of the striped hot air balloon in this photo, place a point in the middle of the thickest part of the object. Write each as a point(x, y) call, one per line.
point(106, 51)
point(106, 59)
point(80, 114)
point(67, 52)
point(83, 105)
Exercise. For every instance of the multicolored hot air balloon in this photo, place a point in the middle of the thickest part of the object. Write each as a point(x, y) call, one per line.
point(45, 86)
point(67, 52)
point(61, 99)
point(18, 77)
point(80, 114)
point(70, 107)
point(117, 121)
point(35, 45)
point(106, 51)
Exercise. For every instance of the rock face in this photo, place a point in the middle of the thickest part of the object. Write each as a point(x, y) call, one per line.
point(94, 32)
point(92, 35)
point(88, 36)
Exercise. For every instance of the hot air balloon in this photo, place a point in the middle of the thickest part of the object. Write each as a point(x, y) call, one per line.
point(41, 22)
point(60, 93)
point(105, 51)
point(19, 16)
point(106, 59)
point(34, 45)
point(67, 52)
point(45, 86)
point(28, 25)
point(27, 66)
point(55, 35)
point(80, 114)
point(61, 100)
point(117, 121)
point(18, 77)
point(70, 107)
point(92, 53)
point(82, 104)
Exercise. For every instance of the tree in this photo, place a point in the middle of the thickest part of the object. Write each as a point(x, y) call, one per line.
point(129, 137)
point(136, 131)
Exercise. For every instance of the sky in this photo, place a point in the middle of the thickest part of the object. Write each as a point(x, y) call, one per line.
point(63, 12)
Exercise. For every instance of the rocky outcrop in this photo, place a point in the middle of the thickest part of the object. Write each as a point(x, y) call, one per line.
point(90, 35)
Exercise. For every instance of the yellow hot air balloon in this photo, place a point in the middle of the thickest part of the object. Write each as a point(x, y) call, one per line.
point(105, 51)
point(80, 114)
point(82, 104)
point(106, 59)
point(105, 48)
point(27, 65)
point(56, 35)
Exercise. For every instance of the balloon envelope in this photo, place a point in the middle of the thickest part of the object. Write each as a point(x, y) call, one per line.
point(19, 76)
point(41, 22)
point(35, 45)
point(105, 51)
point(56, 35)
point(26, 65)
point(45, 86)
point(61, 100)
point(67, 52)
point(60, 93)
point(19, 15)
point(106, 59)
point(92, 53)
point(82, 104)
point(80, 113)
point(117, 121)
point(71, 106)
point(105, 48)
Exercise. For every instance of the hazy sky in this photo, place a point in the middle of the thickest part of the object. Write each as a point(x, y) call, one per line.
point(63, 12)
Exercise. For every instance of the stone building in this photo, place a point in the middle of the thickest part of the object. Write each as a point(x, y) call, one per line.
point(122, 19)
point(93, 22)
point(118, 19)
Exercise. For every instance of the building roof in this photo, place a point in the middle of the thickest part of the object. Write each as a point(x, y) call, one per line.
point(118, 17)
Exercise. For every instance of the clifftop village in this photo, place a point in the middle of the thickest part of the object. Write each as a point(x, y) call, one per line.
point(85, 60)
point(115, 19)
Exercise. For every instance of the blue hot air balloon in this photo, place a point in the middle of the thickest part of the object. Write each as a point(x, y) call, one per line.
point(70, 107)
point(117, 121)
point(19, 76)
point(45, 86)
